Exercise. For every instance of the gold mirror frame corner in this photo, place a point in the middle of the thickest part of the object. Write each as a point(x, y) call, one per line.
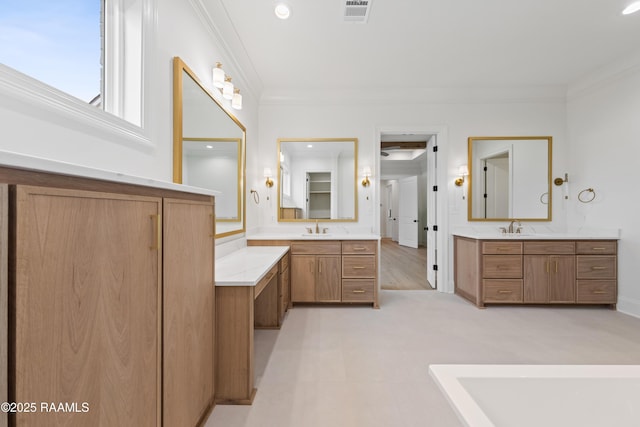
point(179, 66)
point(470, 141)
point(355, 177)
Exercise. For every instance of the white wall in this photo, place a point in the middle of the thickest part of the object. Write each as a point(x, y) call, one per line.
point(604, 127)
point(363, 120)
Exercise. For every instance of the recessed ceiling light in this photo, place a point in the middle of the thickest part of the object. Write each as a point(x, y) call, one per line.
point(283, 11)
point(209, 146)
point(309, 146)
point(633, 7)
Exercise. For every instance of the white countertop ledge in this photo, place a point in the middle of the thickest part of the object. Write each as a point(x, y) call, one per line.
point(305, 236)
point(247, 266)
point(536, 236)
point(40, 164)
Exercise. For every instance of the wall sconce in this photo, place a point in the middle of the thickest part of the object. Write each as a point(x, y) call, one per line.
point(223, 82)
point(268, 175)
point(560, 181)
point(462, 171)
point(366, 171)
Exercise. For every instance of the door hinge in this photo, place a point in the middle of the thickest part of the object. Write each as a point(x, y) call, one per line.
point(435, 267)
point(435, 228)
point(485, 195)
point(435, 148)
point(486, 169)
point(435, 188)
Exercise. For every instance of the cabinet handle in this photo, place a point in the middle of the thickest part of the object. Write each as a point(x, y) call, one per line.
point(599, 292)
point(546, 266)
point(598, 249)
point(358, 291)
point(595, 267)
point(556, 266)
point(502, 249)
point(157, 232)
point(501, 291)
point(359, 248)
point(358, 267)
point(213, 223)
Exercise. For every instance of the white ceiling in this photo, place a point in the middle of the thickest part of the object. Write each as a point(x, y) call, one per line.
point(425, 43)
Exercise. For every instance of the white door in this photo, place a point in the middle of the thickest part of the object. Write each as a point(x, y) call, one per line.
point(408, 212)
point(431, 214)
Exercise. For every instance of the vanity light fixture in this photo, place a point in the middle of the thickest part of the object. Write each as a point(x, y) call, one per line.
point(218, 76)
point(632, 8)
point(223, 82)
point(282, 10)
point(366, 171)
point(268, 175)
point(463, 171)
point(236, 101)
point(560, 181)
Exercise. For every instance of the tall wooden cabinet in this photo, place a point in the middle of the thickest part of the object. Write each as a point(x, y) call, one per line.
point(188, 306)
point(87, 306)
point(111, 301)
point(4, 297)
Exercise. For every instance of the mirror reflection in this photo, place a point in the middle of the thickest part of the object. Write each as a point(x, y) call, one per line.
point(509, 178)
point(208, 148)
point(317, 179)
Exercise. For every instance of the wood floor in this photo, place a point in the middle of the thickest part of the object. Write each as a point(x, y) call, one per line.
point(403, 268)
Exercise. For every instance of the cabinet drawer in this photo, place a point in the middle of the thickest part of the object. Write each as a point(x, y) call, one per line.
point(358, 266)
point(549, 248)
point(596, 267)
point(502, 248)
point(315, 248)
point(597, 291)
point(358, 290)
point(502, 266)
point(596, 247)
point(359, 247)
point(496, 290)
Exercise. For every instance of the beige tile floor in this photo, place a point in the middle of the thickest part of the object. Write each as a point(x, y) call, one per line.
point(355, 366)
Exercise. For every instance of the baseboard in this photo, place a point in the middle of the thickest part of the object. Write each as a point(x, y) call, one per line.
point(629, 306)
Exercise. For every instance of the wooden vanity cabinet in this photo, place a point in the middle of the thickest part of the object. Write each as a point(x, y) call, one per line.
point(315, 272)
point(359, 270)
point(535, 272)
point(111, 300)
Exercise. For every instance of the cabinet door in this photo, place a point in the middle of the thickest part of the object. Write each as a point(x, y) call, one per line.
point(303, 278)
point(562, 279)
point(536, 279)
point(4, 308)
point(87, 306)
point(188, 295)
point(328, 279)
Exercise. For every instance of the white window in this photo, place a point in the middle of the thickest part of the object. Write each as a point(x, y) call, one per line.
point(92, 50)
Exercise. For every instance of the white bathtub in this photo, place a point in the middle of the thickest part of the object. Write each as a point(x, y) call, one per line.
point(542, 395)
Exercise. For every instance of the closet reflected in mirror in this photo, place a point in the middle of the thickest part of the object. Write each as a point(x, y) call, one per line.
point(208, 148)
point(317, 179)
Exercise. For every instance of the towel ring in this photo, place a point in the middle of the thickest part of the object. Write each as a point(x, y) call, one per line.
point(256, 196)
point(585, 198)
point(542, 198)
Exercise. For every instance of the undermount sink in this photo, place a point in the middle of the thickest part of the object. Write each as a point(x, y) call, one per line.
point(316, 235)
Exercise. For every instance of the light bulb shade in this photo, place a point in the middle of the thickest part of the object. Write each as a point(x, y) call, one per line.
point(236, 101)
point(227, 90)
point(463, 170)
point(283, 11)
point(632, 8)
point(366, 171)
point(267, 173)
point(218, 76)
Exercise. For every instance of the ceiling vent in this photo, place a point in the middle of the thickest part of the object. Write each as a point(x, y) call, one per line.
point(356, 10)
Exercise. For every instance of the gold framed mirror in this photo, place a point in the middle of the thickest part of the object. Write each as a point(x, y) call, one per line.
point(509, 178)
point(208, 148)
point(317, 179)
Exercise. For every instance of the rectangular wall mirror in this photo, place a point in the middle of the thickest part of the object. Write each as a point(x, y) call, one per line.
point(317, 179)
point(208, 148)
point(509, 178)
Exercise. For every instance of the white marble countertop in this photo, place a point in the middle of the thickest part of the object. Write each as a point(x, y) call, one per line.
point(40, 164)
point(541, 236)
point(306, 236)
point(247, 266)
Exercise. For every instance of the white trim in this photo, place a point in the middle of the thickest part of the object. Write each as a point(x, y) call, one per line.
point(630, 306)
point(48, 103)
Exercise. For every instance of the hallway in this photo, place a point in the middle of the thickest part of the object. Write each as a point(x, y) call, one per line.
point(403, 268)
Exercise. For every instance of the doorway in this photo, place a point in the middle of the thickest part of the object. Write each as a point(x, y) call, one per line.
point(404, 211)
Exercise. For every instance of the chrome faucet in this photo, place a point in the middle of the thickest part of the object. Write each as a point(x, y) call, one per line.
point(511, 230)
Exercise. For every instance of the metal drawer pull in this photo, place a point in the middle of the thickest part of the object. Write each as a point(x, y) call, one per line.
point(359, 248)
point(356, 267)
point(504, 292)
point(502, 249)
point(599, 292)
point(595, 267)
point(358, 291)
point(598, 249)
